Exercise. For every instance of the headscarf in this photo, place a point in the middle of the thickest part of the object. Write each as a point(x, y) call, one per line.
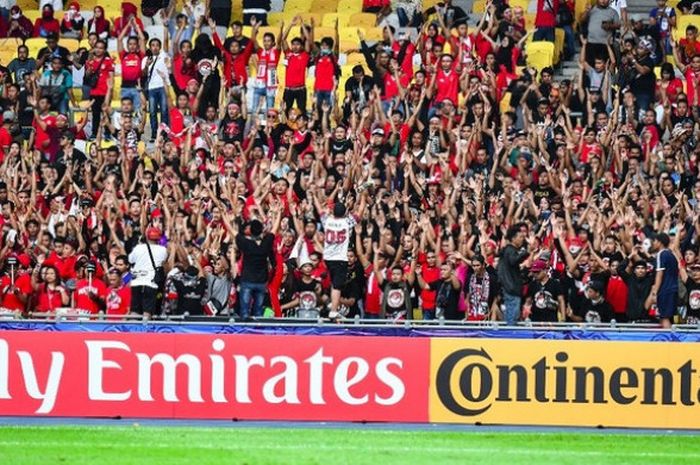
point(128, 10)
point(98, 25)
point(72, 14)
point(47, 24)
point(26, 28)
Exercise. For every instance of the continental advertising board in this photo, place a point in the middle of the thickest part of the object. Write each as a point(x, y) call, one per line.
point(398, 379)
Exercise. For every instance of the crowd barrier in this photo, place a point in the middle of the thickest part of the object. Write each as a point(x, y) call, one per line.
point(573, 376)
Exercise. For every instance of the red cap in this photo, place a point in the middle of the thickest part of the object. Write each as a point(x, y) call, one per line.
point(24, 260)
point(153, 234)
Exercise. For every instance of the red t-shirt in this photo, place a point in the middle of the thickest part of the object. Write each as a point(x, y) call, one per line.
point(692, 92)
point(183, 71)
point(428, 296)
point(326, 67)
point(373, 293)
point(81, 298)
point(296, 69)
point(9, 299)
point(546, 13)
point(47, 300)
point(42, 136)
point(119, 300)
point(106, 67)
point(65, 266)
point(407, 63)
point(235, 66)
point(447, 84)
point(131, 67)
point(5, 141)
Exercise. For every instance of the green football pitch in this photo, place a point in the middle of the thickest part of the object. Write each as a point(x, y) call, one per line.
point(75, 445)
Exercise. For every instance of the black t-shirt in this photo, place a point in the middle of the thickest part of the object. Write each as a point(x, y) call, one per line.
point(190, 293)
point(256, 256)
point(693, 302)
point(308, 293)
point(598, 312)
point(645, 84)
point(447, 298)
point(395, 297)
point(545, 303)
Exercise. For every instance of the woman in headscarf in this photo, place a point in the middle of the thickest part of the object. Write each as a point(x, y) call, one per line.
point(20, 26)
point(129, 10)
point(98, 24)
point(47, 24)
point(206, 58)
point(73, 23)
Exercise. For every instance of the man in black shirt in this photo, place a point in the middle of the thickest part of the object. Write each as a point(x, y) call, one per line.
point(447, 287)
point(191, 288)
point(258, 255)
point(545, 295)
point(643, 85)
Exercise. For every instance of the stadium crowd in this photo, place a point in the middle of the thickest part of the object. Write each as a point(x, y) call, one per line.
point(171, 164)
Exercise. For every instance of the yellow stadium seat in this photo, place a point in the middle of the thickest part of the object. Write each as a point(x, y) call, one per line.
point(524, 4)
point(34, 45)
point(7, 55)
point(307, 17)
point(10, 43)
point(365, 20)
point(350, 6)
point(504, 104)
point(530, 21)
point(324, 6)
point(682, 22)
point(32, 15)
point(479, 6)
point(540, 54)
point(330, 20)
point(348, 39)
point(297, 7)
point(26, 4)
point(275, 18)
point(248, 31)
point(353, 59)
point(344, 20)
point(321, 32)
point(374, 33)
point(71, 44)
point(580, 8)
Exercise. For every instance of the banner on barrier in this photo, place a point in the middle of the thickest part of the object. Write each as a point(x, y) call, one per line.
point(574, 383)
point(210, 376)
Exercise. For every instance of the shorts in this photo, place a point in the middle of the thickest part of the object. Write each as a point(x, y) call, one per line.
point(143, 300)
point(666, 304)
point(339, 273)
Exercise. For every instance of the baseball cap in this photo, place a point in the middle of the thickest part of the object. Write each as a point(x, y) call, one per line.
point(538, 265)
point(8, 115)
point(378, 132)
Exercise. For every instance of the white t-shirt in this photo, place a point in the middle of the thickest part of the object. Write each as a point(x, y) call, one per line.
point(159, 64)
point(336, 237)
point(618, 5)
point(141, 267)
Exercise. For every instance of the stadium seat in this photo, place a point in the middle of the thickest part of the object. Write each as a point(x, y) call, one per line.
point(374, 34)
point(32, 15)
point(34, 45)
point(479, 6)
point(683, 22)
point(365, 20)
point(71, 44)
point(306, 17)
point(10, 43)
point(352, 59)
point(350, 6)
point(344, 19)
point(540, 54)
point(297, 7)
point(321, 32)
point(324, 6)
point(330, 20)
point(275, 18)
point(348, 39)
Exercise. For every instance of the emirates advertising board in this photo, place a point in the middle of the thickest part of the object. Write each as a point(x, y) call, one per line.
point(338, 378)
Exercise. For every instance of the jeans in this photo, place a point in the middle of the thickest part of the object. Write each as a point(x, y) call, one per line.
point(512, 308)
point(252, 293)
point(428, 314)
point(545, 34)
point(63, 106)
point(5, 13)
point(157, 103)
point(323, 96)
point(267, 94)
point(569, 41)
point(643, 102)
point(134, 94)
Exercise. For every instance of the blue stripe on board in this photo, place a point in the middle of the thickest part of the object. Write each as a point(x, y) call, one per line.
point(638, 335)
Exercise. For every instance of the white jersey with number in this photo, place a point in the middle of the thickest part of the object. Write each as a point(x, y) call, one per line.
point(336, 234)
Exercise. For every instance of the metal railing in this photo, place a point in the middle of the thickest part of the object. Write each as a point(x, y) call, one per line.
point(441, 323)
